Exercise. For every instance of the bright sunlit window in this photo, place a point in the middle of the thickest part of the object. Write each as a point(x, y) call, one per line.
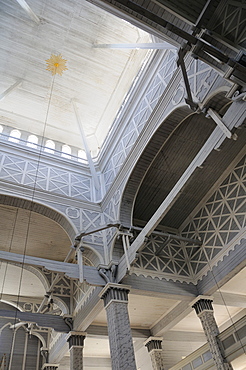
point(15, 136)
point(49, 146)
point(32, 141)
point(81, 156)
point(66, 151)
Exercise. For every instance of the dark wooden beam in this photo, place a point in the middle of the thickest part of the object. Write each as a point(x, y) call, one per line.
point(42, 320)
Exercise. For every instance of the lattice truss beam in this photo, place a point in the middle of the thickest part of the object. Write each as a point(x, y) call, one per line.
point(232, 22)
point(220, 224)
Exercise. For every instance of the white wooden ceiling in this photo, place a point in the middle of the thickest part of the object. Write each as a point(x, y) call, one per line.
point(98, 79)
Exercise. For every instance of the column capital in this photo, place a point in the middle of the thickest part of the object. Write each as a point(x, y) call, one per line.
point(153, 343)
point(76, 338)
point(50, 366)
point(115, 292)
point(202, 303)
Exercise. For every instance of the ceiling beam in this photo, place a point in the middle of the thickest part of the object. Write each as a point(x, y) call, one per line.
point(10, 89)
point(173, 317)
point(160, 288)
point(102, 331)
point(157, 45)
point(229, 299)
point(28, 10)
point(71, 270)
point(42, 320)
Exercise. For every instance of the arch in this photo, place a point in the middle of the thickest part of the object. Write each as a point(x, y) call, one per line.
point(216, 100)
point(32, 141)
point(13, 304)
point(49, 146)
point(160, 136)
point(15, 136)
point(62, 305)
point(41, 338)
point(66, 151)
point(42, 209)
point(93, 256)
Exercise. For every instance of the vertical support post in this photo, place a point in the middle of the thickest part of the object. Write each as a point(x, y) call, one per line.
point(87, 151)
point(76, 344)
point(154, 347)
point(80, 263)
point(204, 310)
point(25, 351)
point(12, 350)
point(115, 297)
point(38, 356)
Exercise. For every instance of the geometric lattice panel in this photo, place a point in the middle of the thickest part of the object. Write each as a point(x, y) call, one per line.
point(218, 223)
point(140, 116)
point(220, 220)
point(161, 257)
point(43, 177)
point(232, 22)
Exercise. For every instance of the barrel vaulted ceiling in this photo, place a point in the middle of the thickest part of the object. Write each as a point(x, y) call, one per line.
point(97, 79)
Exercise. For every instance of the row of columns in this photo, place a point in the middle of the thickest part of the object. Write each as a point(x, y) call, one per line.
point(115, 297)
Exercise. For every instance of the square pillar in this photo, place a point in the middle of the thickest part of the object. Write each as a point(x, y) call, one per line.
point(154, 347)
point(204, 310)
point(115, 297)
point(76, 345)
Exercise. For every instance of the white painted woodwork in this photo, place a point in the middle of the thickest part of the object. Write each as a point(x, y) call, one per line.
point(71, 270)
point(28, 232)
point(17, 281)
point(98, 79)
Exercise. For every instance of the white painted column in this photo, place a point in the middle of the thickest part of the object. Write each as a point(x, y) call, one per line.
point(25, 351)
point(76, 346)
point(154, 347)
point(204, 310)
point(115, 297)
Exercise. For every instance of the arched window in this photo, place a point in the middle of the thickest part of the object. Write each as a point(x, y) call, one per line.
point(49, 146)
point(1, 129)
point(66, 151)
point(81, 156)
point(15, 136)
point(32, 141)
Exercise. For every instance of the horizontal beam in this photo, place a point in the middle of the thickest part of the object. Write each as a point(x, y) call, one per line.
point(147, 286)
point(28, 10)
point(172, 318)
point(71, 270)
point(229, 299)
point(96, 230)
point(157, 45)
point(10, 89)
point(102, 331)
point(42, 320)
point(172, 236)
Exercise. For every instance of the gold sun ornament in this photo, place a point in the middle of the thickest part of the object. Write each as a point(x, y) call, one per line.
point(56, 64)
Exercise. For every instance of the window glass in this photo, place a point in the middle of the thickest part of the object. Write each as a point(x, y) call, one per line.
point(81, 155)
point(66, 151)
point(32, 141)
point(49, 146)
point(15, 136)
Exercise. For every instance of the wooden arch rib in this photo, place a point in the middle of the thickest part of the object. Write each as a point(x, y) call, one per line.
point(156, 142)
